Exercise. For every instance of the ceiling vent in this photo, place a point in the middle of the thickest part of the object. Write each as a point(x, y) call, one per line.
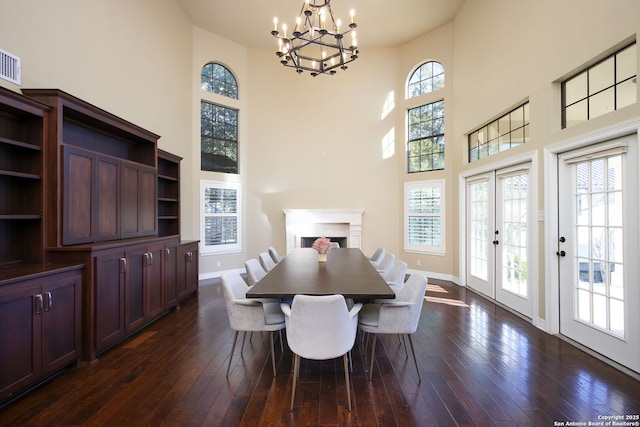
point(9, 67)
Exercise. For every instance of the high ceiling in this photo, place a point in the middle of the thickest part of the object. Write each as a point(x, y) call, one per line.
point(381, 23)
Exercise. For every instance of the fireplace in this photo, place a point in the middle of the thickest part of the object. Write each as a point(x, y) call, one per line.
point(343, 224)
point(306, 242)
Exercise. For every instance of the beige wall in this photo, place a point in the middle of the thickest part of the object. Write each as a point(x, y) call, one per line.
point(317, 142)
point(129, 58)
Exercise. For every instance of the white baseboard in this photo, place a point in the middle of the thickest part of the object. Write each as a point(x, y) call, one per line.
point(217, 274)
point(433, 275)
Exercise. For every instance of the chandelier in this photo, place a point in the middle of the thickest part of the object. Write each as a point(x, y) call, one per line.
point(316, 43)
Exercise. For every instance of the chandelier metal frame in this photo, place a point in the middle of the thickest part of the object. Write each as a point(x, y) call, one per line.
point(316, 43)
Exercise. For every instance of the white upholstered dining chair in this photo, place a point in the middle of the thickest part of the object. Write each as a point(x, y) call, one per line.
point(395, 276)
point(255, 272)
point(377, 257)
point(395, 316)
point(320, 328)
point(386, 264)
point(250, 315)
point(275, 255)
point(266, 261)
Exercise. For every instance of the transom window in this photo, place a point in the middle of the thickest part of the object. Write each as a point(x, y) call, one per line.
point(425, 151)
point(216, 78)
point(426, 78)
point(604, 87)
point(504, 133)
point(218, 138)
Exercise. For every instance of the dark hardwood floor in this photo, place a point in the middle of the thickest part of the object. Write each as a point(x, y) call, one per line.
point(480, 366)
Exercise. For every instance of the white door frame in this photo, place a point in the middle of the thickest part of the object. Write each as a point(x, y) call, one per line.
point(552, 288)
point(530, 157)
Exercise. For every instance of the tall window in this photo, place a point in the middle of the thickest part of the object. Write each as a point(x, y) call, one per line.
point(425, 151)
point(505, 132)
point(424, 216)
point(218, 123)
point(218, 138)
point(218, 79)
point(220, 222)
point(604, 87)
point(426, 78)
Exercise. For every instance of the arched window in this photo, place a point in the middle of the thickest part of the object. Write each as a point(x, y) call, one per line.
point(218, 79)
point(218, 122)
point(428, 77)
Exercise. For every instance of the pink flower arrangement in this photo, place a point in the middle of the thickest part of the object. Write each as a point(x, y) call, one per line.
point(322, 245)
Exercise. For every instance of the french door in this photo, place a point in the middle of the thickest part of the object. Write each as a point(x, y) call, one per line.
point(498, 241)
point(598, 249)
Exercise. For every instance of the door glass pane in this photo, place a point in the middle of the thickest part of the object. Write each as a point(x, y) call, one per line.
point(514, 239)
point(479, 229)
point(599, 243)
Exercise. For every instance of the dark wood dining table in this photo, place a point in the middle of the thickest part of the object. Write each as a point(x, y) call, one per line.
point(347, 271)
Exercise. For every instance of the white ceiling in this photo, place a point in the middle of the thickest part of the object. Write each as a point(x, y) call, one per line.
point(381, 23)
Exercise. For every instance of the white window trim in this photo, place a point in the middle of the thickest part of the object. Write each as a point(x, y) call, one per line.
point(220, 249)
point(425, 249)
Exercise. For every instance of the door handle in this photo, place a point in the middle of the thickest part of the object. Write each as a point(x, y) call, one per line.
point(495, 242)
point(38, 300)
point(49, 301)
point(561, 253)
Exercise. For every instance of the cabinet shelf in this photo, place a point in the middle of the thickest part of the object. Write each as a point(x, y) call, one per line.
point(27, 217)
point(21, 182)
point(19, 174)
point(167, 199)
point(165, 217)
point(20, 144)
point(168, 178)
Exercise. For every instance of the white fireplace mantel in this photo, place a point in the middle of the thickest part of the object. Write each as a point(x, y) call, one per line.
point(328, 222)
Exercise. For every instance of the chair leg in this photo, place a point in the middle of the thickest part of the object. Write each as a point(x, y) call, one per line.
point(244, 337)
point(414, 358)
point(401, 336)
point(273, 353)
point(346, 379)
point(233, 347)
point(296, 370)
point(281, 342)
point(373, 355)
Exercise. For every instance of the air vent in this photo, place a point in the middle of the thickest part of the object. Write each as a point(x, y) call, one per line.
point(9, 67)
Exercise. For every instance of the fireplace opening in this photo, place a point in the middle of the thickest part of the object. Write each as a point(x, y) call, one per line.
point(306, 242)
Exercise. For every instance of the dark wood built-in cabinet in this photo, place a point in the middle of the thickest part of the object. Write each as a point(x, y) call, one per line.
point(90, 248)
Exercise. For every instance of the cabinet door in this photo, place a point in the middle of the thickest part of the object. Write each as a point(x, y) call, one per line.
point(170, 276)
point(139, 208)
point(134, 304)
point(187, 281)
point(61, 322)
point(191, 277)
point(153, 281)
point(19, 338)
point(109, 304)
point(106, 215)
point(90, 197)
point(77, 199)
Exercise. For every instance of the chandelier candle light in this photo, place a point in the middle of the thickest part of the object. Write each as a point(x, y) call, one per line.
point(316, 43)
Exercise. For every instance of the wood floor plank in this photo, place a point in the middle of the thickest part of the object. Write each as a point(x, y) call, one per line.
point(480, 366)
